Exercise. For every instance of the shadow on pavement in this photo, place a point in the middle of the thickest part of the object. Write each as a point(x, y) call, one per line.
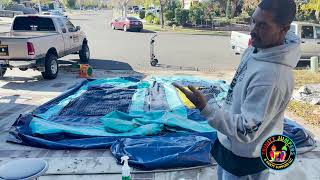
point(68, 76)
point(10, 107)
point(102, 64)
point(146, 31)
point(109, 64)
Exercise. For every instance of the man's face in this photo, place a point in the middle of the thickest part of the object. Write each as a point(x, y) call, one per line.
point(265, 33)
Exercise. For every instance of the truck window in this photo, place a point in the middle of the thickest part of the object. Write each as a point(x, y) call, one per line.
point(318, 32)
point(33, 24)
point(60, 22)
point(70, 26)
point(307, 32)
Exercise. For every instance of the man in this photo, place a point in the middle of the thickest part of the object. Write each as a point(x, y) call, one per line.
point(258, 96)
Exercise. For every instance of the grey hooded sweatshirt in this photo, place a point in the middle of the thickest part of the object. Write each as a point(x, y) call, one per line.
point(257, 99)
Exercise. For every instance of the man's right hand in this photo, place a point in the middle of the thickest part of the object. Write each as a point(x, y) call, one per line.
point(194, 95)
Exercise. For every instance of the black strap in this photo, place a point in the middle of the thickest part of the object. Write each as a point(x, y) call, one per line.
point(236, 165)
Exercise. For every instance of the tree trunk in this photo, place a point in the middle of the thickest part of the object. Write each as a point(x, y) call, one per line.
point(161, 16)
point(233, 8)
point(212, 24)
point(124, 9)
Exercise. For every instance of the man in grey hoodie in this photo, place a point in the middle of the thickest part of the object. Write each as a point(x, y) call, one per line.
point(258, 95)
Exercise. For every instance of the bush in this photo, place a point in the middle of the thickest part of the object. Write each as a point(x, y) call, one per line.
point(178, 15)
point(171, 23)
point(150, 17)
point(169, 15)
point(185, 17)
point(142, 14)
point(156, 20)
point(223, 22)
point(196, 14)
point(69, 3)
point(243, 19)
point(182, 16)
point(306, 16)
point(149, 14)
point(216, 10)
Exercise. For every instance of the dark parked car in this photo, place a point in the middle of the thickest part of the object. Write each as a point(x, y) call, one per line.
point(129, 23)
point(22, 8)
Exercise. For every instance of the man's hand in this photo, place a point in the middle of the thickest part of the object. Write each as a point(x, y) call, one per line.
point(195, 96)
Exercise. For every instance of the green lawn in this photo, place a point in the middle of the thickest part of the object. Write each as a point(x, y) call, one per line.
point(157, 28)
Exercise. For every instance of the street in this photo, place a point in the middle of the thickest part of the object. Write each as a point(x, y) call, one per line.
point(189, 51)
point(126, 50)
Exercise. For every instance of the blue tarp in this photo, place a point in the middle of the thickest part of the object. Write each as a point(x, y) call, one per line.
point(164, 152)
point(129, 114)
point(297, 133)
point(80, 119)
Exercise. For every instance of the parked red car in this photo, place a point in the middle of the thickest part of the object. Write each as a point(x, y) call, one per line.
point(129, 23)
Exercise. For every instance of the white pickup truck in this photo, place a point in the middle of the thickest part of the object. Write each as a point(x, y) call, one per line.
point(38, 41)
point(308, 32)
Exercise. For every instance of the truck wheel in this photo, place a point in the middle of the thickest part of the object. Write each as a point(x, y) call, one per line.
point(84, 54)
point(51, 67)
point(2, 72)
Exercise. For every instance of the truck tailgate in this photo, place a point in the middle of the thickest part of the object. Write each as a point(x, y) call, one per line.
point(12, 48)
point(13, 45)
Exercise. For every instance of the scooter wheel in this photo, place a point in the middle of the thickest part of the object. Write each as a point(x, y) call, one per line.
point(154, 62)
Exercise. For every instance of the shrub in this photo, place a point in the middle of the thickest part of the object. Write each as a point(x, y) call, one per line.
point(169, 15)
point(196, 14)
point(142, 14)
point(156, 20)
point(182, 16)
point(171, 23)
point(178, 15)
point(243, 19)
point(223, 22)
point(149, 17)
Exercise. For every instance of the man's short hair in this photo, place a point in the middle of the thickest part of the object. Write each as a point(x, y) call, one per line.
point(284, 11)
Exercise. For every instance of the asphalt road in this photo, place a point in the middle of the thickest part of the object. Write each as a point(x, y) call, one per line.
point(124, 50)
